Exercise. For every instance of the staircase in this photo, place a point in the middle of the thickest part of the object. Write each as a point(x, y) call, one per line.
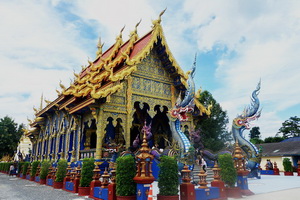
point(196, 171)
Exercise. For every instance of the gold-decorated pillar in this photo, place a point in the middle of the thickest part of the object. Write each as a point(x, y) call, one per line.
point(129, 111)
point(100, 134)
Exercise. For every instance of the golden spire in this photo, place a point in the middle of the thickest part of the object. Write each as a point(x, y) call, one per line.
point(47, 102)
point(99, 46)
point(134, 32)
point(76, 75)
point(41, 104)
point(62, 86)
point(119, 37)
point(57, 91)
point(35, 110)
point(157, 22)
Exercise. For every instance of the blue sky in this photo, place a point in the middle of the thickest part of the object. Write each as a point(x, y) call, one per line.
point(237, 43)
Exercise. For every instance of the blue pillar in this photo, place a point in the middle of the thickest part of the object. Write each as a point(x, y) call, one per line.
point(101, 193)
point(242, 182)
point(142, 191)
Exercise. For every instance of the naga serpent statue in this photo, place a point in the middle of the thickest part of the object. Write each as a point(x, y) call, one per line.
point(242, 122)
point(179, 111)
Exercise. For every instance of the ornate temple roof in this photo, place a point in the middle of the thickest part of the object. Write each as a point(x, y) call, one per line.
point(104, 76)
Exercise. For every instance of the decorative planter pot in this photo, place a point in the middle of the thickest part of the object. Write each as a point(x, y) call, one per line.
point(23, 177)
point(126, 197)
point(83, 191)
point(289, 173)
point(57, 185)
point(234, 192)
point(162, 197)
point(42, 181)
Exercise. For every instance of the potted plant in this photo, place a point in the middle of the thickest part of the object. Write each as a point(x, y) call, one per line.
point(44, 171)
point(24, 169)
point(86, 176)
point(126, 187)
point(168, 181)
point(229, 175)
point(34, 166)
point(287, 166)
point(60, 174)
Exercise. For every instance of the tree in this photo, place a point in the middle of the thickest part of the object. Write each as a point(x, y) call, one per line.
point(213, 128)
point(273, 139)
point(254, 133)
point(255, 136)
point(10, 134)
point(290, 127)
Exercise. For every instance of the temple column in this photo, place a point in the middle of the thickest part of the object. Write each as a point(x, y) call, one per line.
point(77, 136)
point(100, 134)
point(129, 111)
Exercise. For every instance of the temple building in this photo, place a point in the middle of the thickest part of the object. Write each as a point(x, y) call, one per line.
point(132, 83)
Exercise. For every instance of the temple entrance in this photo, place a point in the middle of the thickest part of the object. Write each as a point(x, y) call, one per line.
point(89, 136)
point(160, 127)
point(160, 136)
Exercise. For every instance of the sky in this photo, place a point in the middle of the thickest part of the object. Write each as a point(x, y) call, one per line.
point(237, 43)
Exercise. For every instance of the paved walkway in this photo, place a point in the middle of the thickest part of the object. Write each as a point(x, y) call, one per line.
point(267, 188)
point(13, 188)
point(275, 187)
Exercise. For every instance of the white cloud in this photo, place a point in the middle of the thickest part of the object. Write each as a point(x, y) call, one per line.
point(262, 41)
point(255, 39)
point(113, 15)
point(37, 48)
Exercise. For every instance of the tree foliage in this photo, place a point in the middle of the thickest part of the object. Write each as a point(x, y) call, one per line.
point(168, 176)
point(87, 172)
point(228, 172)
point(273, 139)
point(213, 128)
point(290, 127)
point(10, 134)
point(254, 133)
point(61, 170)
point(287, 165)
point(124, 176)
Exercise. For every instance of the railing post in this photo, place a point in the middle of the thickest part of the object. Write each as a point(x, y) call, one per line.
point(187, 189)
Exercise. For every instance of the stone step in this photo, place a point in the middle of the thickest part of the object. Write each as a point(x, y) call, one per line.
point(195, 175)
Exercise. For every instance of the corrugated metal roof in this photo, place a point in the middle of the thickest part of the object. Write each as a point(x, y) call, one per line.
point(280, 148)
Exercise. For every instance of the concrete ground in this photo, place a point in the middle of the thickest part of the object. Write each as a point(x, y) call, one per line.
point(275, 187)
point(267, 188)
point(13, 188)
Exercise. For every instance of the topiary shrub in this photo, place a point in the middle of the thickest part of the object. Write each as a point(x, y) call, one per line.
point(287, 165)
point(168, 176)
point(228, 172)
point(87, 172)
point(25, 167)
point(61, 170)
point(125, 173)
point(20, 166)
point(34, 166)
point(45, 169)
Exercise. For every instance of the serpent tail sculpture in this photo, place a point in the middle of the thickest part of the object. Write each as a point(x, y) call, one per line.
point(242, 122)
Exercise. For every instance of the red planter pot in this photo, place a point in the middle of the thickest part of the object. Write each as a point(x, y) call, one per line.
point(24, 177)
point(42, 181)
point(126, 197)
point(162, 197)
point(289, 173)
point(57, 185)
point(31, 178)
point(234, 192)
point(83, 191)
